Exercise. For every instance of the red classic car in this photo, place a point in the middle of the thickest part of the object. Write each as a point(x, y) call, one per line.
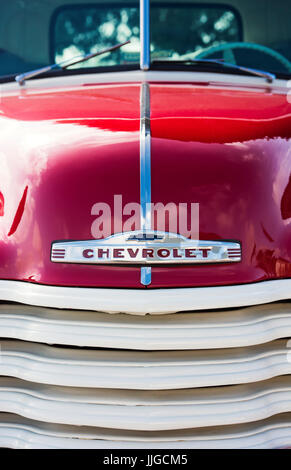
point(145, 224)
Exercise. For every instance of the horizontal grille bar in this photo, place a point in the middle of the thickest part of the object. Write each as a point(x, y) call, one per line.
point(201, 330)
point(146, 301)
point(147, 411)
point(17, 432)
point(143, 370)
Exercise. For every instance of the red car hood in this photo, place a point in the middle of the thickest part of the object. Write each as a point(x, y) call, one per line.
point(64, 150)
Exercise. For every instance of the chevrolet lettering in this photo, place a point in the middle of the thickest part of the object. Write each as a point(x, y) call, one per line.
point(145, 248)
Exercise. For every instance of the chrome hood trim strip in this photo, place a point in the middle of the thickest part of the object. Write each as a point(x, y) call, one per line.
point(145, 170)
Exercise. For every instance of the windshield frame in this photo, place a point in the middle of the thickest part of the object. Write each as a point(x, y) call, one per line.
point(145, 8)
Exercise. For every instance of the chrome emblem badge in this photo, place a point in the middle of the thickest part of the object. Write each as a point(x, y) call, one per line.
point(145, 247)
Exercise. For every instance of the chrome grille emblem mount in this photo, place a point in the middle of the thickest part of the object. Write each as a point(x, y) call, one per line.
point(143, 237)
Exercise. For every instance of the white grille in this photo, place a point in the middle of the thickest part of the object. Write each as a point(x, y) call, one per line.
point(193, 380)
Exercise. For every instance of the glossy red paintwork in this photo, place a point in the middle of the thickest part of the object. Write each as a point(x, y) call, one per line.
point(63, 150)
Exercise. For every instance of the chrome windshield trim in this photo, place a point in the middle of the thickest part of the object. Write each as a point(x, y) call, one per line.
point(145, 34)
point(145, 170)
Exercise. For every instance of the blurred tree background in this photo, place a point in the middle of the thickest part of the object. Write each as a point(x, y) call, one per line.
point(176, 29)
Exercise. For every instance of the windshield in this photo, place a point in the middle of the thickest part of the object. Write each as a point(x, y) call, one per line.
point(254, 34)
